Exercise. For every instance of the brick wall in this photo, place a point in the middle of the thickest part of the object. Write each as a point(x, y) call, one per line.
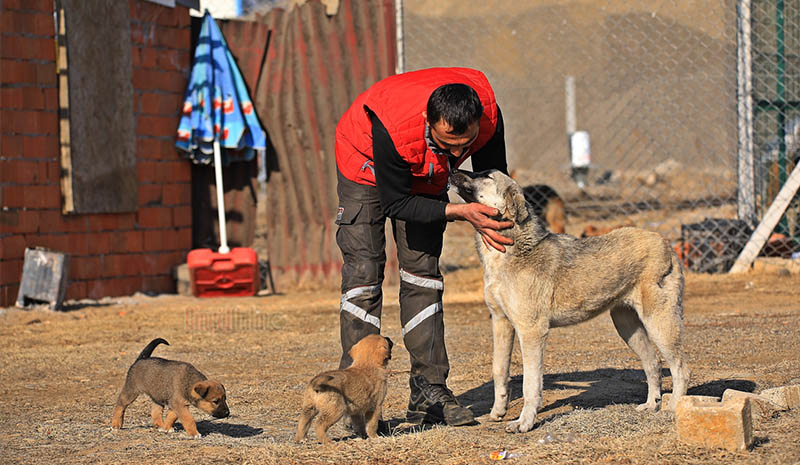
point(111, 254)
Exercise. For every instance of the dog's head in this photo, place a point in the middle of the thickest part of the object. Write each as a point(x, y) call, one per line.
point(494, 189)
point(373, 349)
point(209, 396)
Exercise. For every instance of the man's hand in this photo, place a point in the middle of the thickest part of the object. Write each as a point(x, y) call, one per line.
point(480, 216)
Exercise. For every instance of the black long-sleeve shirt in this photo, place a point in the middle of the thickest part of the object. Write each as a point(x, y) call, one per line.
point(393, 175)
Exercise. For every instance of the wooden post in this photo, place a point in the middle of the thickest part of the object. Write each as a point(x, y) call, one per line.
point(771, 218)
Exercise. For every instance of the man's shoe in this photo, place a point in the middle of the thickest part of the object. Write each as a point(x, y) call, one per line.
point(434, 403)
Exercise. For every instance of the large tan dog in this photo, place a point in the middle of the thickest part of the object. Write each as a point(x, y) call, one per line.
point(549, 280)
point(358, 391)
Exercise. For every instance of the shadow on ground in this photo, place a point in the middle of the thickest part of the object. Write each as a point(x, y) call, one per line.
point(599, 388)
point(227, 429)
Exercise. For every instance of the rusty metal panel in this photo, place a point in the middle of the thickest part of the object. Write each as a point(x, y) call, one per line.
point(315, 66)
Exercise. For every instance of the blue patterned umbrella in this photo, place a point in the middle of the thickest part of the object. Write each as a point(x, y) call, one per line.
point(217, 105)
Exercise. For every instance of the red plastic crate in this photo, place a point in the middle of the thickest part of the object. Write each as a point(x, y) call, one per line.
point(213, 274)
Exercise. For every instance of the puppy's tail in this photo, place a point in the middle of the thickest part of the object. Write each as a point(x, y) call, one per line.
point(148, 350)
point(330, 380)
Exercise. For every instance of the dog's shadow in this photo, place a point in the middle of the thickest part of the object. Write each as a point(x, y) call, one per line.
point(597, 388)
point(233, 430)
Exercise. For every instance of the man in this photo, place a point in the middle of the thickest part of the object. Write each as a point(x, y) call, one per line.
point(395, 147)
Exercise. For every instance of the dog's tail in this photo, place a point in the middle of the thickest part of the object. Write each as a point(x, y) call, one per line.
point(334, 380)
point(148, 350)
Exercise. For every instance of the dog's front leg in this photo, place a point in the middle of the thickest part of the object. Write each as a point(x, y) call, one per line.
point(187, 421)
point(503, 344)
point(531, 343)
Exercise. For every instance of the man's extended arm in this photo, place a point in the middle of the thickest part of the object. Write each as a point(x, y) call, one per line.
point(393, 178)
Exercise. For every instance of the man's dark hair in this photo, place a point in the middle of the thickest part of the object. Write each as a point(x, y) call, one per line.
point(457, 104)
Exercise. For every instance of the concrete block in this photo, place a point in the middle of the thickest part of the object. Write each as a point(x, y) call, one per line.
point(183, 282)
point(761, 407)
point(44, 278)
point(726, 425)
point(787, 397)
point(666, 398)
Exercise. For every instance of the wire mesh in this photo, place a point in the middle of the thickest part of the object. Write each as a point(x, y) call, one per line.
point(692, 108)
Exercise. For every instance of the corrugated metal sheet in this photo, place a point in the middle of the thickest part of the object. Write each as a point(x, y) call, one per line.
point(315, 66)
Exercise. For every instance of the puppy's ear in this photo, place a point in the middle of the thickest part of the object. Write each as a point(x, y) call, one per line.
point(515, 204)
point(201, 389)
point(388, 355)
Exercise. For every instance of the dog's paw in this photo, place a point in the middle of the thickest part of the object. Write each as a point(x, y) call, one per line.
point(647, 407)
point(496, 415)
point(170, 430)
point(195, 436)
point(519, 426)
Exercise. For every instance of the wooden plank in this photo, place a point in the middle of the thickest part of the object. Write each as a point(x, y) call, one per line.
point(67, 202)
point(771, 218)
point(97, 130)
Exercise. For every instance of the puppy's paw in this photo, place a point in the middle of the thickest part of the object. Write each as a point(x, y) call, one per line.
point(164, 430)
point(195, 436)
point(651, 406)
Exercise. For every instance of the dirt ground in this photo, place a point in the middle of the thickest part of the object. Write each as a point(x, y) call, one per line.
point(60, 374)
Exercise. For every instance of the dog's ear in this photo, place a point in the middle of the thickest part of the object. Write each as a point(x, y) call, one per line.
point(201, 389)
point(389, 345)
point(516, 208)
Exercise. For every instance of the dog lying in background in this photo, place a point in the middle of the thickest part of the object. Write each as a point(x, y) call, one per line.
point(170, 384)
point(547, 280)
point(357, 391)
point(547, 205)
point(592, 230)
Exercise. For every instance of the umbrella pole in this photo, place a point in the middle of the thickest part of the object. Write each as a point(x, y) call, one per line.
point(223, 233)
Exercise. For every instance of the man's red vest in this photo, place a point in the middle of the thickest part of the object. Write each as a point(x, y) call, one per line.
point(398, 101)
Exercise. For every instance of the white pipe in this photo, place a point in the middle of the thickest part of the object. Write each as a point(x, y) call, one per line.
point(744, 67)
point(569, 90)
point(400, 66)
point(223, 232)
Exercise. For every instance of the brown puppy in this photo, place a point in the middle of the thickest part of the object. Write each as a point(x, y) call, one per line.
point(357, 391)
point(171, 384)
point(547, 205)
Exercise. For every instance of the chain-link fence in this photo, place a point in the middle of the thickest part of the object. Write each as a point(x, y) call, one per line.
point(692, 108)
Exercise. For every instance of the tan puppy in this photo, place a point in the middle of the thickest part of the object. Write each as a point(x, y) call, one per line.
point(357, 391)
point(547, 280)
point(171, 384)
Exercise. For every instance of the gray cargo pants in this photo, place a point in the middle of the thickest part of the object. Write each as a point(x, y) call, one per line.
point(362, 240)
